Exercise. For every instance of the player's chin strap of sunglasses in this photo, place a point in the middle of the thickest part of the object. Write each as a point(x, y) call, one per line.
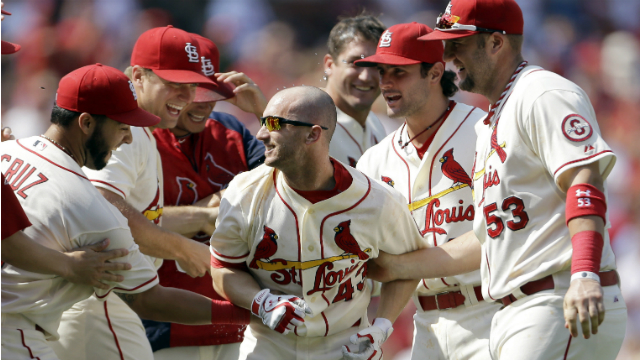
point(448, 22)
point(275, 123)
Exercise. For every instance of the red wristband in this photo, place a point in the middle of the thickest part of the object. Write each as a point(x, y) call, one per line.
point(585, 200)
point(224, 312)
point(587, 251)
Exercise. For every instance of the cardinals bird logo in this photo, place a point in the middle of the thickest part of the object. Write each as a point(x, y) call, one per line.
point(388, 180)
point(452, 169)
point(266, 248)
point(347, 242)
point(494, 144)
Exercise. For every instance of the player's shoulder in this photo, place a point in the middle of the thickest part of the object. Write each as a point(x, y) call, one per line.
point(142, 142)
point(468, 113)
point(536, 81)
point(249, 181)
point(376, 125)
point(376, 154)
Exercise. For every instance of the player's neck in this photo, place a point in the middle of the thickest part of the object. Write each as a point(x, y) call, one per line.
point(502, 78)
point(430, 113)
point(315, 175)
point(358, 115)
point(71, 143)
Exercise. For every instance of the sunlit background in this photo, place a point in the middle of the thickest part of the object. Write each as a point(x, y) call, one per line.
point(281, 43)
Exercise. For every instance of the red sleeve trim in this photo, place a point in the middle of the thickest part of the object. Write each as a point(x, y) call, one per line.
point(220, 264)
point(583, 159)
point(231, 257)
point(106, 183)
point(123, 289)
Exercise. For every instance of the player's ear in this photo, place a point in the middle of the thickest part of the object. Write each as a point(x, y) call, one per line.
point(436, 72)
point(328, 63)
point(314, 135)
point(496, 43)
point(137, 73)
point(86, 123)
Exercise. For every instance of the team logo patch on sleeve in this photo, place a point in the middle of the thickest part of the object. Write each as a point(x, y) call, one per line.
point(576, 128)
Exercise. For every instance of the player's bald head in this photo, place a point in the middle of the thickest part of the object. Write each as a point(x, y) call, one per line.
point(307, 104)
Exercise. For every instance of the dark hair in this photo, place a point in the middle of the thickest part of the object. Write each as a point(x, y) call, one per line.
point(447, 81)
point(366, 26)
point(64, 117)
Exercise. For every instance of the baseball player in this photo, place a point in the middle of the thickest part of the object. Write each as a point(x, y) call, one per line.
point(86, 265)
point(429, 159)
point(93, 114)
point(353, 89)
point(293, 238)
point(200, 156)
point(540, 197)
point(165, 71)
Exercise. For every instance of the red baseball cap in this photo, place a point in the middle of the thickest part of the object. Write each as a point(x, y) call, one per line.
point(399, 45)
point(171, 53)
point(102, 90)
point(209, 65)
point(7, 47)
point(469, 17)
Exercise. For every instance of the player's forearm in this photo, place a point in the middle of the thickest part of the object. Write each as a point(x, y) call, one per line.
point(170, 305)
point(394, 297)
point(457, 256)
point(237, 286)
point(21, 251)
point(185, 220)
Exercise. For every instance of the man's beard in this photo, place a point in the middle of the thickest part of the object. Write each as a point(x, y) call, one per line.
point(468, 84)
point(98, 148)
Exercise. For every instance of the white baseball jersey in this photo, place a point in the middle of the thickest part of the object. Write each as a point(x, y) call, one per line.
point(67, 212)
point(545, 127)
point(351, 140)
point(320, 250)
point(437, 187)
point(134, 172)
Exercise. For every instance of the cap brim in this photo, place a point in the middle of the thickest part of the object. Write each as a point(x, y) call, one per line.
point(447, 35)
point(9, 48)
point(183, 76)
point(388, 59)
point(213, 92)
point(136, 117)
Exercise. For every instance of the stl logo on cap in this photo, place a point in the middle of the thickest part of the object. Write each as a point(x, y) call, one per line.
point(133, 91)
point(207, 67)
point(385, 39)
point(192, 53)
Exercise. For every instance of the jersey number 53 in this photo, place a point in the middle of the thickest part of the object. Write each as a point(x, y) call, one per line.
point(495, 225)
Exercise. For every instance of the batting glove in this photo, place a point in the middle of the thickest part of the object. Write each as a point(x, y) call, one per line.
point(280, 312)
point(369, 341)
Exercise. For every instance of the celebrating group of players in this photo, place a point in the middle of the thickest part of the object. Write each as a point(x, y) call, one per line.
point(494, 223)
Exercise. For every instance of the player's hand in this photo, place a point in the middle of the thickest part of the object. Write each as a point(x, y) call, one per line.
point(6, 134)
point(584, 301)
point(248, 97)
point(369, 341)
point(280, 312)
point(88, 265)
point(194, 258)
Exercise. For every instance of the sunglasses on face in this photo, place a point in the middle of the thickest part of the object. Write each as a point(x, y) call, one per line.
point(275, 123)
point(448, 22)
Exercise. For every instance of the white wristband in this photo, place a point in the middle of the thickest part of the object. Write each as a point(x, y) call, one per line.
point(585, 275)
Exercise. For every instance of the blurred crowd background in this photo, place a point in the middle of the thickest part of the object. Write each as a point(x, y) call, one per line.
point(281, 43)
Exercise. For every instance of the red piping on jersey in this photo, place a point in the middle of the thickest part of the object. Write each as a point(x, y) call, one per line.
point(106, 183)
point(145, 132)
point(488, 267)
point(393, 144)
point(566, 352)
point(27, 346)
point(275, 184)
point(340, 212)
point(60, 166)
point(325, 299)
point(135, 288)
point(231, 257)
point(532, 71)
point(326, 323)
point(352, 138)
point(115, 337)
point(583, 159)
